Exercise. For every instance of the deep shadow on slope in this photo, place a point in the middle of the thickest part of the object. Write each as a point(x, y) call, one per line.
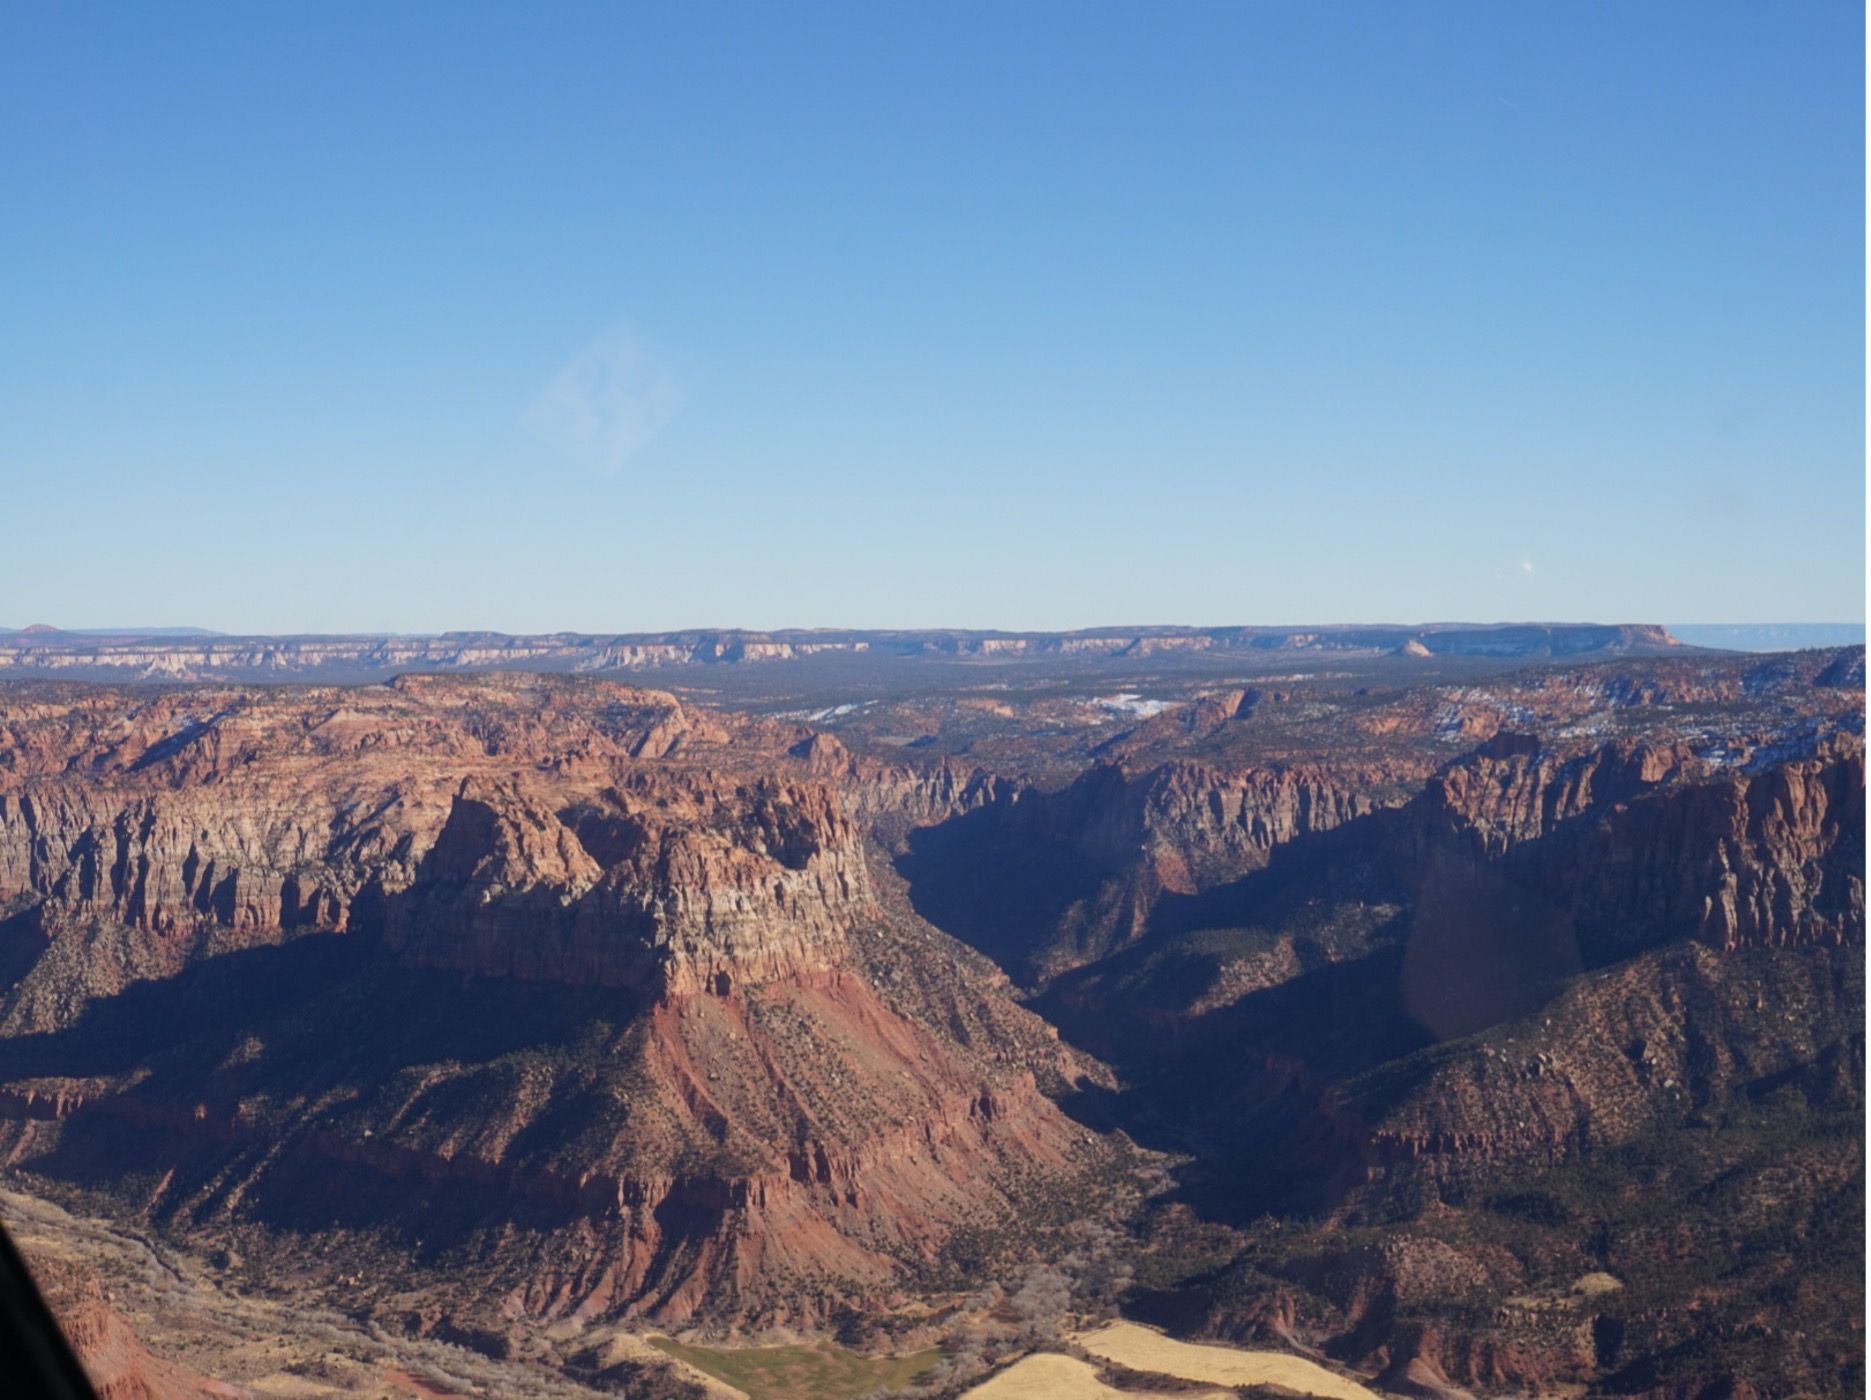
point(290, 1056)
point(1237, 1014)
point(1010, 880)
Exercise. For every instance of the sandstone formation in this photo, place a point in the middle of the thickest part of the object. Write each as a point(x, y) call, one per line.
point(691, 1097)
point(118, 1364)
point(1609, 934)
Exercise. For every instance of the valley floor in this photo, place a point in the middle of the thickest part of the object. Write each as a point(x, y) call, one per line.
point(269, 1346)
point(276, 1345)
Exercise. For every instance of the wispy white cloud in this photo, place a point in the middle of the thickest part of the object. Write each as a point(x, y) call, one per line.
point(607, 402)
point(1526, 566)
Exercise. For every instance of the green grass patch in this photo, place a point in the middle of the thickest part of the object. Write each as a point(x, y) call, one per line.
point(817, 1372)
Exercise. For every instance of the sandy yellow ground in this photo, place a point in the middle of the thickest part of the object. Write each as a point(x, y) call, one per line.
point(1047, 1375)
point(1141, 1349)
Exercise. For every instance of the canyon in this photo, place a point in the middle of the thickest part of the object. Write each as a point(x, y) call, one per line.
point(1359, 992)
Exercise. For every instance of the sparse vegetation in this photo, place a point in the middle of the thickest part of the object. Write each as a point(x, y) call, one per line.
point(815, 1371)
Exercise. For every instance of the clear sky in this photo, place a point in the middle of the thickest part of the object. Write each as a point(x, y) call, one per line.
point(334, 317)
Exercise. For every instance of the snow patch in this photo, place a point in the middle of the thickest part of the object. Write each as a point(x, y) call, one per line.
point(1130, 703)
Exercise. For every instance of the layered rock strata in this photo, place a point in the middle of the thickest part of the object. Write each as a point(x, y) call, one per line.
point(572, 953)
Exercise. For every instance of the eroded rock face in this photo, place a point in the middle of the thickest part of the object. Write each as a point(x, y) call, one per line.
point(688, 887)
point(120, 1367)
point(1609, 914)
point(1049, 881)
point(1659, 842)
point(1649, 1041)
point(574, 844)
point(1552, 1069)
point(1742, 826)
point(564, 972)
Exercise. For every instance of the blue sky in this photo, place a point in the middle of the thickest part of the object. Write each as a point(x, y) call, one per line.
point(619, 317)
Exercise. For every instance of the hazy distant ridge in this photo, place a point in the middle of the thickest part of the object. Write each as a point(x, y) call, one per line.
point(46, 652)
point(1769, 636)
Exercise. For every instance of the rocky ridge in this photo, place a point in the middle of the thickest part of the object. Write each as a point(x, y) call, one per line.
point(727, 1118)
point(1611, 929)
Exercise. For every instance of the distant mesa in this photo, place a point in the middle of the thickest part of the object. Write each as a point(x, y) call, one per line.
point(176, 654)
